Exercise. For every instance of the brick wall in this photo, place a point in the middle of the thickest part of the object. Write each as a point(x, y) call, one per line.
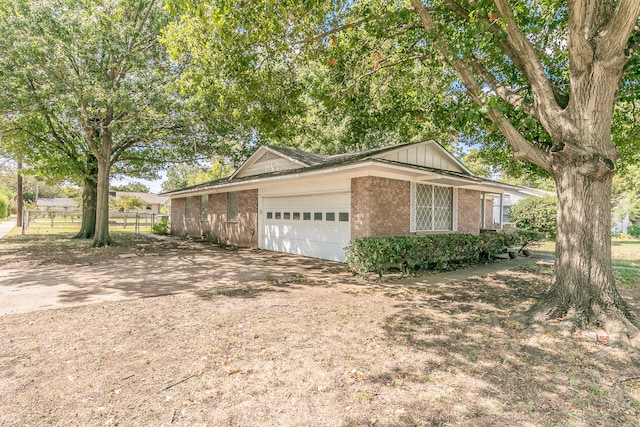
point(181, 225)
point(177, 216)
point(469, 202)
point(379, 207)
point(215, 225)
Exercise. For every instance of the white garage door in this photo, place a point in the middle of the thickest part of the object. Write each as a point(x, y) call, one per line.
point(317, 226)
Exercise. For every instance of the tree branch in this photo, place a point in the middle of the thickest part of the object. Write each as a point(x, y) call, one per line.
point(375, 70)
point(503, 92)
point(616, 32)
point(526, 59)
point(338, 29)
point(523, 150)
point(547, 97)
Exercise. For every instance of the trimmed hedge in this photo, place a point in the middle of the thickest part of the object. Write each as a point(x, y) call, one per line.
point(434, 252)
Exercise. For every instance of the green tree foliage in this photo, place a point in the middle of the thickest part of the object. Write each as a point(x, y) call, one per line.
point(127, 203)
point(626, 194)
point(536, 214)
point(547, 79)
point(4, 206)
point(132, 187)
point(340, 94)
point(89, 80)
point(184, 175)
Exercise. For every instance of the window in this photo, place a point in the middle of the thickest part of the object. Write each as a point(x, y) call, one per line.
point(317, 216)
point(433, 211)
point(286, 215)
point(306, 216)
point(204, 206)
point(505, 213)
point(187, 207)
point(343, 216)
point(232, 206)
point(296, 215)
point(269, 215)
point(331, 216)
point(278, 215)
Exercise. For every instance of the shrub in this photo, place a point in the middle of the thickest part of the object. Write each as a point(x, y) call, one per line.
point(436, 252)
point(634, 231)
point(161, 226)
point(4, 206)
point(536, 214)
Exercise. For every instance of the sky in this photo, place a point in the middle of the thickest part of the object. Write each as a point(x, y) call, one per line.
point(155, 186)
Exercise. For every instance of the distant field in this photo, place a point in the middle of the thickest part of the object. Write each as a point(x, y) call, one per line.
point(624, 253)
point(71, 224)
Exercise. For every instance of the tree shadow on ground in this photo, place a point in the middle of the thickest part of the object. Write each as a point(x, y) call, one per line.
point(478, 358)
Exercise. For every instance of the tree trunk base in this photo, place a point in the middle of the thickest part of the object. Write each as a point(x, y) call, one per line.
point(620, 324)
point(82, 234)
point(101, 243)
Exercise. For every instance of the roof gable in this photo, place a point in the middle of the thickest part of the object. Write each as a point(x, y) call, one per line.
point(428, 154)
point(270, 159)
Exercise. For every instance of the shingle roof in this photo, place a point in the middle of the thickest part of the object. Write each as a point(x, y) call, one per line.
point(57, 202)
point(301, 156)
point(316, 162)
point(150, 198)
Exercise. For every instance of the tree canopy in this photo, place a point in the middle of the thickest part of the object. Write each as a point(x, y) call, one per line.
point(553, 86)
point(89, 87)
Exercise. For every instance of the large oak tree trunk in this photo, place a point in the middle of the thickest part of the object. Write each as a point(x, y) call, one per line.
point(101, 238)
point(583, 289)
point(89, 202)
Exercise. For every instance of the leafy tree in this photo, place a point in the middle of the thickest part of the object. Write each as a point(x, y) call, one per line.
point(128, 203)
point(4, 206)
point(626, 194)
point(536, 214)
point(132, 187)
point(544, 76)
point(99, 80)
point(183, 175)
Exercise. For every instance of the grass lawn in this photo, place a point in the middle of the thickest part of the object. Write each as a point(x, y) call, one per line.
point(44, 226)
point(624, 252)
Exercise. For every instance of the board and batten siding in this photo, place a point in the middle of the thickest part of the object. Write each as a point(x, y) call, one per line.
point(269, 162)
point(422, 155)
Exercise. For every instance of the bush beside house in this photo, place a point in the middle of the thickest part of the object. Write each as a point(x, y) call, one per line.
point(536, 214)
point(428, 253)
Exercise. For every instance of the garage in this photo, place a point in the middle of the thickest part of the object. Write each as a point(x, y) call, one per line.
point(317, 226)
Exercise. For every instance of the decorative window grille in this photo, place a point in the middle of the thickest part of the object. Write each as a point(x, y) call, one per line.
point(204, 206)
point(232, 206)
point(432, 208)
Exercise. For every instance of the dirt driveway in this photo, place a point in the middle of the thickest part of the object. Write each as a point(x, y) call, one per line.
point(259, 339)
point(186, 267)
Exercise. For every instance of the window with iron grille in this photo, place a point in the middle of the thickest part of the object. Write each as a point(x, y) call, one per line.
point(187, 207)
point(204, 206)
point(232, 206)
point(433, 208)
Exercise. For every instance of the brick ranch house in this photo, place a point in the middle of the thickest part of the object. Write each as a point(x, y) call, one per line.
point(313, 205)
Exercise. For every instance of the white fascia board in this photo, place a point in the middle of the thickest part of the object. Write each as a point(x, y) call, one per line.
point(353, 170)
point(365, 168)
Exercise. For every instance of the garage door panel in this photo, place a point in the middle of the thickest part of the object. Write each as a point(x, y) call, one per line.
point(309, 237)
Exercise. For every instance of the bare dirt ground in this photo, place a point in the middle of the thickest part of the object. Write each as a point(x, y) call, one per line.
point(197, 335)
